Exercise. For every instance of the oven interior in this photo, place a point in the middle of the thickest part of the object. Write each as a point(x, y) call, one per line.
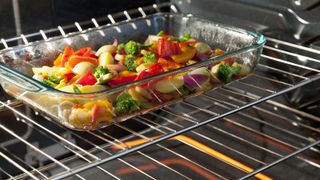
point(265, 126)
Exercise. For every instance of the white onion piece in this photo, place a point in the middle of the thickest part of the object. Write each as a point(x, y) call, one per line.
point(83, 67)
point(106, 48)
point(116, 67)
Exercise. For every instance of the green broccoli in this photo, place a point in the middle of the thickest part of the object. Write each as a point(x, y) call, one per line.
point(133, 47)
point(120, 47)
point(100, 71)
point(125, 104)
point(226, 72)
point(149, 57)
point(130, 62)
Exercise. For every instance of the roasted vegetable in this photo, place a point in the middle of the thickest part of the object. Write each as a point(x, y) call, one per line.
point(225, 72)
point(130, 62)
point(150, 58)
point(125, 104)
point(100, 71)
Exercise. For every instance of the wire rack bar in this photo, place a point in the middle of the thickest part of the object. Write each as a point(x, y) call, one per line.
point(280, 160)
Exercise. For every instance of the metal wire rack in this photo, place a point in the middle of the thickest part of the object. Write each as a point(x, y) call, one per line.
point(243, 130)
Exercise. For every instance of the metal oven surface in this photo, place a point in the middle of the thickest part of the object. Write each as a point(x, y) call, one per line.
point(248, 129)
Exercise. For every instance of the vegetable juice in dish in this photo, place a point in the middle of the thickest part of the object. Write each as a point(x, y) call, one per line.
point(86, 71)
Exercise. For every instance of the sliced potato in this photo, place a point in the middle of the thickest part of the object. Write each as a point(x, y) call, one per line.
point(105, 59)
point(142, 67)
point(169, 85)
point(214, 70)
point(93, 88)
point(50, 71)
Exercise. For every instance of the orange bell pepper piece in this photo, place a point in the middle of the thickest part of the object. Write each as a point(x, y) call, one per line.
point(63, 57)
point(168, 65)
point(74, 60)
point(187, 54)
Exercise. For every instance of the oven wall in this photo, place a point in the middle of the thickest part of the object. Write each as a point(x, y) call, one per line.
point(28, 16)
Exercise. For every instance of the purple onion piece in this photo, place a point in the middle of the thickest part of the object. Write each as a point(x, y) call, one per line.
point(194, 81)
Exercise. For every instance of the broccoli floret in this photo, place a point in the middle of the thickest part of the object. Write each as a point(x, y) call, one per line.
point(100, 71)
point(125, 104)
point(130, 62)
point(149, 57)
point(133, 47)
point(120, 47)
point(226, 72)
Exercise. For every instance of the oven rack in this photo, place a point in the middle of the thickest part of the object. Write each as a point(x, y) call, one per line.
point(259, 93)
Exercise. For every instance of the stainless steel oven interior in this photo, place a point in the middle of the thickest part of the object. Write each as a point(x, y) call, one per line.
point(265, 126)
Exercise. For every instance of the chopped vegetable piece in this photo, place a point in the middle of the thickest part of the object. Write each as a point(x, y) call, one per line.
point(187, 54)
point(151, 70)
point(105, 59)
point(61, 60)
point(100, 71)
point(87, 79)
point(52, 84)
point(74, 60)
point(168, 65)
point(121, 80)
point(169, 85)
point(149, 57)
point(160, 33)
point(76, 89)
point(133, 47)
point(54, 79)
point(226, 72)
point(104, 78)
point(167, 48)
point(120, 48)
point(106, 48)
point(183, 38)
point(83, 67)
point(125, 104)
point(130, 62)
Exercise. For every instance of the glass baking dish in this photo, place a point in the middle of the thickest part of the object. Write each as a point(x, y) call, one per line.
point(17, 63)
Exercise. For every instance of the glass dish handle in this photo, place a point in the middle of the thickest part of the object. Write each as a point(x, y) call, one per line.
point(20, 80)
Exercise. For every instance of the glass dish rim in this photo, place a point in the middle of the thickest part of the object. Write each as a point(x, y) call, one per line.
point(45, 88)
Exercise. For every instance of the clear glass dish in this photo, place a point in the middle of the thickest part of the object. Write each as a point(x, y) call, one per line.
point(17, 63)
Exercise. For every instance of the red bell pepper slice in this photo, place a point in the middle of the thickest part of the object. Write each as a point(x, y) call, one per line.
point(87, 79)
point(121, 80)
point(67, 77)
point(151, 70)
point(168, 48)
